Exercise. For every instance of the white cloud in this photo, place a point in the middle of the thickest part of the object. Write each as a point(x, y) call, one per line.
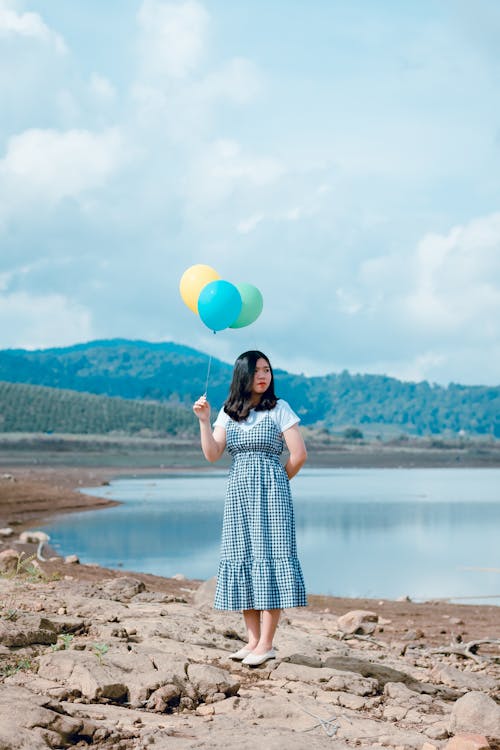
point(49, 165)
point(39, 321)
point(238, 80)
point(29, 25)
point(223, 167)
point(101, 88)
point(457, 278)
point(172, 37)
point(249, 224)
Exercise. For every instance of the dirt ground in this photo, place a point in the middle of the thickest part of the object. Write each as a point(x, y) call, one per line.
point(29, 496)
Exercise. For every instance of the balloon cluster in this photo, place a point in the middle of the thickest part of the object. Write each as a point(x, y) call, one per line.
point(219, 303)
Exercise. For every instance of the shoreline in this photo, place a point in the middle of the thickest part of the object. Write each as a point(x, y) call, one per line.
point(34, 495)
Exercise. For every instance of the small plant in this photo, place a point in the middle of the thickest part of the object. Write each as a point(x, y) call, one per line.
point(100, 649)
point(21, 665)
point(64, 642)
point(10, 614)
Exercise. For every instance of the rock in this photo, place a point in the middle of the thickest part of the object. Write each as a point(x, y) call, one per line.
point(399, 692)
point(395, 713)
point(27, 719)
point(457, 678)
point(25, 630)
point(468, 742)
point(203, 597)
point(354, 702)
point(116, 676)
point(163, 698)
point(7, 531)
point(208, 681)
point(306, 660)
point(380, 672)
point(475, 712)
point(179, 577)
point(326, 679)
point(404, 598)
point(437, 731)
point(456, 621)
point(72, 560)
point(413, 634)
point(359, 621)
point(9, 560)
point(429, 746)
point(117, 589)
point(33, 537)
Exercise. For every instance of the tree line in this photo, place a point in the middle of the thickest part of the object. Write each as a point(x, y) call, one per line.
point(173, 375)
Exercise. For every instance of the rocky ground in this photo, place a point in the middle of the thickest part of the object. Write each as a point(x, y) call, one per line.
point(102, 659)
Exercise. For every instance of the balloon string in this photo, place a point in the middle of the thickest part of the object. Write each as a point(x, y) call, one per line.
point(208, 372)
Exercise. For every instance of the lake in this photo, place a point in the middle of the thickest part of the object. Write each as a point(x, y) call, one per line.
point(382, 533)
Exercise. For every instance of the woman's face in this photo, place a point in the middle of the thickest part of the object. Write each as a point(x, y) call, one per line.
point(262, 377)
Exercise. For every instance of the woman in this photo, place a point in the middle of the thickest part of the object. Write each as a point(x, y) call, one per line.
point(259, 572)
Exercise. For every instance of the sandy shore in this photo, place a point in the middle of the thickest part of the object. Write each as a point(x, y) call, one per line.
point(29, 496)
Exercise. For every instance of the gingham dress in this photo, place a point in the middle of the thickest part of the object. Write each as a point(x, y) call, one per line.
point(259, 568)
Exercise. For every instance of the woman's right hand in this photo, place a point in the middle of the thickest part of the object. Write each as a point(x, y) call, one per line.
point(201, 408)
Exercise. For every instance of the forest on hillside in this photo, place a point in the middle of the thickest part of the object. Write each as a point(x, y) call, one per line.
point(169, 375)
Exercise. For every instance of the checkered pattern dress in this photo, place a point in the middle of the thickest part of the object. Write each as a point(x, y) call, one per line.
point(259, 568)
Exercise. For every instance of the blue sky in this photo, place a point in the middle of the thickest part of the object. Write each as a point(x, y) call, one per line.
point(344, 157)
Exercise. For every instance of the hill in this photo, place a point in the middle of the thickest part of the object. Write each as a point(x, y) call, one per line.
point(31, 408)
point(175, 374)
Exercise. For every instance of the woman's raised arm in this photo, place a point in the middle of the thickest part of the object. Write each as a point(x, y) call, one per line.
point(298, 453)
point(212, 443)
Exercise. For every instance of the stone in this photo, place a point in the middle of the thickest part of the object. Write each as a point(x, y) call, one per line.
point(203, 597)
point(381, 672)
point(326, 679)
point(9, 560)
point(33, 537)
point(467, 742)
point(166, 696)
point(475, 712)
point(354, 702)
point(461, 679)
point(115, 676)
point(7, 531)
point(208, 680)
point(27, 719)
point(307, 660)
point(117, 589)
point(395, 713)
point(27, 629)
point(359, 621)
point(72, 560)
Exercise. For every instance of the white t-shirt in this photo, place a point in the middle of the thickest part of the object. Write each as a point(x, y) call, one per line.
point(283, 415)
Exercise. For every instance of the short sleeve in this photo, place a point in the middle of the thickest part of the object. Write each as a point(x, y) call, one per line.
point(284, 415)
point(222, 419)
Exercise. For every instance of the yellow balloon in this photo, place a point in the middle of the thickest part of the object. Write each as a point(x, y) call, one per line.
point(192, 282)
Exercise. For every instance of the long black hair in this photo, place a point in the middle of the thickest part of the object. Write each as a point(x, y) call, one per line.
point(239, 400)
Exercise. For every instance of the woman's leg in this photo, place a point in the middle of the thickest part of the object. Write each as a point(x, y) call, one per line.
point(252, 622)
point(270, 619)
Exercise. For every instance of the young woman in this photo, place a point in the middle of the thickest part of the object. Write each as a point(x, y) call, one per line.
point(259, 572)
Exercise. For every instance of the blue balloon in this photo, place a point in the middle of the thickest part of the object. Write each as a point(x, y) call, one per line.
point(219, 304)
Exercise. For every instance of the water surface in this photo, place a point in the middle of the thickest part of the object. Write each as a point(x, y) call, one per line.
point(384, 533)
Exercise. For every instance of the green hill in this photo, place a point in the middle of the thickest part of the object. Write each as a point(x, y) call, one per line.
point(174, 375)
point(31, 408)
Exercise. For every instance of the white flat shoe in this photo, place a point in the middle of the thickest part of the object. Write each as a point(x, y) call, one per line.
point(253, 660)
point(241, 654)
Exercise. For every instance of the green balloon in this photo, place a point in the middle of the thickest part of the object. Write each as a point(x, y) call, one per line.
point(251, 308)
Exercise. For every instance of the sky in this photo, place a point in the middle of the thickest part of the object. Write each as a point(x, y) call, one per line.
point(342, 156)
